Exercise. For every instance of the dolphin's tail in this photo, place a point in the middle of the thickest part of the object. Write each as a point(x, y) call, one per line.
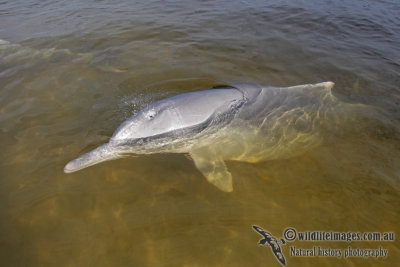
point(102, 153)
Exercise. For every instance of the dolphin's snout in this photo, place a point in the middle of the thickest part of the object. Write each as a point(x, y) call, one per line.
point(102, 153)
point(70, 167)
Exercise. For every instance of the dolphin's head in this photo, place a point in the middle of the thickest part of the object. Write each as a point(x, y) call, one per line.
point(170, 121)
point(178, 116)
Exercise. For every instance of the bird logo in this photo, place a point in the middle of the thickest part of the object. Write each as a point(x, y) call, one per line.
point(273, 242)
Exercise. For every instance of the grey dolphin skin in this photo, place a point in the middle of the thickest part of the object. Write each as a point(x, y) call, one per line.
point(245, 122)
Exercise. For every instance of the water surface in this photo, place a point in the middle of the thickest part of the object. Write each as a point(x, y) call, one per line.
point(72, 71)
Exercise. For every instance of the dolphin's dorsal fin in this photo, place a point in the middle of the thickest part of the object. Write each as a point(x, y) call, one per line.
point(213, 168)
point(221, 86)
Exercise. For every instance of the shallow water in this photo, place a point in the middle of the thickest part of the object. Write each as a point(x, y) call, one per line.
point(72, 71)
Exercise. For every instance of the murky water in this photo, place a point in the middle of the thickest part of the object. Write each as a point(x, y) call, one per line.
point(72, 71)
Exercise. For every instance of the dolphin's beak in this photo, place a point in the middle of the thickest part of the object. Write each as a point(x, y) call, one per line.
point(102, 153)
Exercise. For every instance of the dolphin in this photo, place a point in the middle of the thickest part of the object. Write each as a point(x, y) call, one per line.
point(245, 122)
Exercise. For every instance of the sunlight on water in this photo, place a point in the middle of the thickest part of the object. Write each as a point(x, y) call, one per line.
point(71, 73)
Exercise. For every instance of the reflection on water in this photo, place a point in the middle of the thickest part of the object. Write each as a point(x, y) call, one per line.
point(71, 72)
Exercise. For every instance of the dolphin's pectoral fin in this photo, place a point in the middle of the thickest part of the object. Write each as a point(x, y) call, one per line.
point(213, 168)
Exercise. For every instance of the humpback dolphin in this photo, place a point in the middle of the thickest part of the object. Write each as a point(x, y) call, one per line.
point(245, 122)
